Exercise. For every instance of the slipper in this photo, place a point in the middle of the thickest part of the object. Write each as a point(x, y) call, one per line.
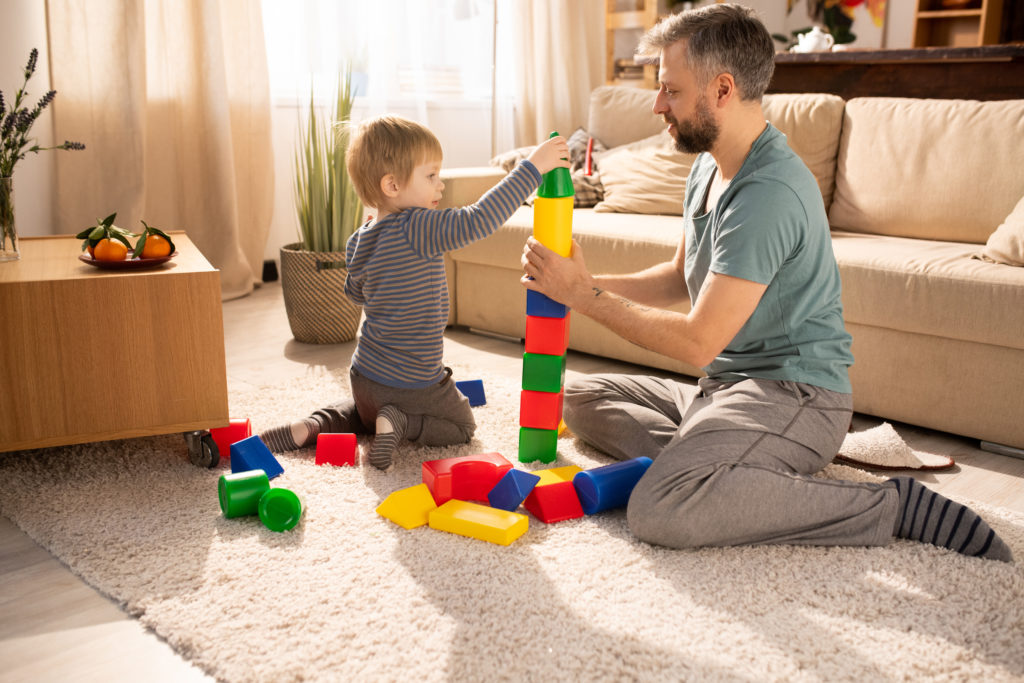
point(881, 448)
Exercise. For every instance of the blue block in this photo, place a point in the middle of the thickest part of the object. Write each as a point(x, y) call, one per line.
point(512, 489)
point(473, 389)
point(541, 306)
point(253, 454)
point(608, 487)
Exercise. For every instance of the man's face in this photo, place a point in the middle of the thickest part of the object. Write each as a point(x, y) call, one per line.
point(683, 104)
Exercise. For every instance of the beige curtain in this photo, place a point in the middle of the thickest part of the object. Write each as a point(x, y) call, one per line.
point(562, 60)
point(172, 99)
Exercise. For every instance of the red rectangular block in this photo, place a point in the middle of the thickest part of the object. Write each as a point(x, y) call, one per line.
point(549, 336)
point(336, 449)
point(467, 477)
point(237, 429)
point(540, 409)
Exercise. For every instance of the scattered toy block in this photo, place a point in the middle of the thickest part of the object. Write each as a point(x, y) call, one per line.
point(537, 444)
point(607, 487)
point(561, 427)
point(542, 372)
point(336, 449)
point(280, 509)
point(240, 492)
point(512, 489)
point(547, 335)
point(253, 454)
point(541, 306)
point(237, 429)
point(409, 507)
point(479, 521)
point(473, 389)
point(554, 498)
point(467, 477)
point(540, 409)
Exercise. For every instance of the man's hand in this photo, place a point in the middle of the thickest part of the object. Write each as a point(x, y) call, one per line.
point(563, 279)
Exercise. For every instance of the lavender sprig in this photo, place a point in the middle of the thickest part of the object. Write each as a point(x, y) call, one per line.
point(16, 121)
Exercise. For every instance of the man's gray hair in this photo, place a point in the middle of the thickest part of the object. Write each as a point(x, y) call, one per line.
point(720, 38)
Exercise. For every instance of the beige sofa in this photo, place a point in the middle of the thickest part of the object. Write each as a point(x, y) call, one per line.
point(915, 192)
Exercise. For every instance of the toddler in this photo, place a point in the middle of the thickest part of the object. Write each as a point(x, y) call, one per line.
point(401, 389)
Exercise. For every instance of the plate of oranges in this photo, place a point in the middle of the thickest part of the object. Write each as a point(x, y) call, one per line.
point(107, 246)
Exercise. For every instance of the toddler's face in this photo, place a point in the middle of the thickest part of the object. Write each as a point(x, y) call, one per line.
point(423, 188)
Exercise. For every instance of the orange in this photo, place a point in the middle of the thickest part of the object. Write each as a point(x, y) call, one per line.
point(109, 250)
point(155, 246)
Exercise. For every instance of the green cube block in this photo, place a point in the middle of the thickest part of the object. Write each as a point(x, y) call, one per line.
point(543, 373)
point(538, 444)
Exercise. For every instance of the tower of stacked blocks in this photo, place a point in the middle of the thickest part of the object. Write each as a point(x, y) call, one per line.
point(547, 327)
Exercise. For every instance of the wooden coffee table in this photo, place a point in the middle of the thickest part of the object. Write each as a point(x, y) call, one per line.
point(89, 354)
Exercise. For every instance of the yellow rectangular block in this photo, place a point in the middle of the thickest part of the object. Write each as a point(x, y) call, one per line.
point(552, 223)
point(479, 521)
point(409, 507)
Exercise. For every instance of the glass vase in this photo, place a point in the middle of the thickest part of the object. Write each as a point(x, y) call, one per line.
point(8, 230)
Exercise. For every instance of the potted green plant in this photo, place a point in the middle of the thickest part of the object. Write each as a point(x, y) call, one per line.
point(313, 270)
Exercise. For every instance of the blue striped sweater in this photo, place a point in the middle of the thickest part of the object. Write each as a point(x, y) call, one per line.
point(396, 273)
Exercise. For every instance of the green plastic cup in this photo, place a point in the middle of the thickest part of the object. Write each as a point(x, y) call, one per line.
point(240, 492)
point(280, 509)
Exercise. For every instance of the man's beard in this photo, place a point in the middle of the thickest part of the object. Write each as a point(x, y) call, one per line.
point(699, 135)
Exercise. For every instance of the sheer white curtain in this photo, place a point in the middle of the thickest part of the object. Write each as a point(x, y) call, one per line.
point(431, 61)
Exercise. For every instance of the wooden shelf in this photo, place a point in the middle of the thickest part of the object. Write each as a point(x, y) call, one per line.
point(643, 15)
point(935, 26)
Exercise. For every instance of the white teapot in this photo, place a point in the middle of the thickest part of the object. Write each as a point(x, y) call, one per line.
point(814, 40)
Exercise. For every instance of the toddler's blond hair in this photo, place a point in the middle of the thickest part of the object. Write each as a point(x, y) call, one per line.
point(387, 144)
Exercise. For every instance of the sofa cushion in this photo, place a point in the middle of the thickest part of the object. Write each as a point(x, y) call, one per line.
point(647, 176)
point(1006, 244)
point(812, 123)
point(929, 287)
point(620, 114)
point(933, 169)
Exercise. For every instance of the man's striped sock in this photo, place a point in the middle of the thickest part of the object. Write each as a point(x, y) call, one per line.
point(926, 516)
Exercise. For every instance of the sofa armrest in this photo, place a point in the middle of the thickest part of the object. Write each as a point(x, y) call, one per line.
point(464, 186)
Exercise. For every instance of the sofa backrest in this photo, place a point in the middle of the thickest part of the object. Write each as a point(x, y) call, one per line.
point(619, 115)
point(948, 170)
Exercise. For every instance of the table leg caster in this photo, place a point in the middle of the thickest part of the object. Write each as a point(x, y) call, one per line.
point(202, 449)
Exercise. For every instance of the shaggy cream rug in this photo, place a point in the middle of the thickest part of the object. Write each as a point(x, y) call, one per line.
point(350, 595)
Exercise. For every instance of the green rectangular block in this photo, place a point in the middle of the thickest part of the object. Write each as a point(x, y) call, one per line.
point(538, 444)
point(543, 373)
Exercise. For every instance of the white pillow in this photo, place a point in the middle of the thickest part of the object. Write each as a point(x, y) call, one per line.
point(647, 176)
point(1006, 244)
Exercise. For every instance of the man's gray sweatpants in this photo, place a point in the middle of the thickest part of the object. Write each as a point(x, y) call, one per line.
point(732, 461)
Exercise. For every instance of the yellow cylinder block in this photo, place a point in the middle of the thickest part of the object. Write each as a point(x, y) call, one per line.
point(552, 223)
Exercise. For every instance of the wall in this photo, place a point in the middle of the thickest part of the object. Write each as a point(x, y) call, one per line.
point(23, 27)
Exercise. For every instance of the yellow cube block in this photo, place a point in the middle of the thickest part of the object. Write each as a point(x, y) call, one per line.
point(552, 223)
point(556, 475)
point(408, 508)
point(479, 521)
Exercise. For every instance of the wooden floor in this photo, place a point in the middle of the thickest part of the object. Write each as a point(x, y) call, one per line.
point(57, 628)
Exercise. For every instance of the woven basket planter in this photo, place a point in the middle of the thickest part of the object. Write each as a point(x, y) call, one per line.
point(314, 296)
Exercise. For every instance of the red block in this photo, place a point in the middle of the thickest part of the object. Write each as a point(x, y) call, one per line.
point(549, 336)
point(469, 477)
point(336, 449)
point(552, 503)
point(540, 409)
point(237, 429)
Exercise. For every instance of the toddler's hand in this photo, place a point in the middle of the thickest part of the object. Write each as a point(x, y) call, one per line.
point(551, 154)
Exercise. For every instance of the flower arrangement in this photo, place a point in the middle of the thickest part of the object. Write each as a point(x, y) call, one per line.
point(16, 122)
point(836, 15)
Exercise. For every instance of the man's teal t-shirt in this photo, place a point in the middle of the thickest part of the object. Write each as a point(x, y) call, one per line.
point(769, 226)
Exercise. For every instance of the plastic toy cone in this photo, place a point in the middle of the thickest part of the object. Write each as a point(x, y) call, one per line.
point(556, 183)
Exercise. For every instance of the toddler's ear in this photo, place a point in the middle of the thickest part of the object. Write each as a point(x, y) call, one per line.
point(388, 185)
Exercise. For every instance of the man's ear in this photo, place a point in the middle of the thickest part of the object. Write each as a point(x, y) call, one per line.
point(724, 88)
point(388, 185)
